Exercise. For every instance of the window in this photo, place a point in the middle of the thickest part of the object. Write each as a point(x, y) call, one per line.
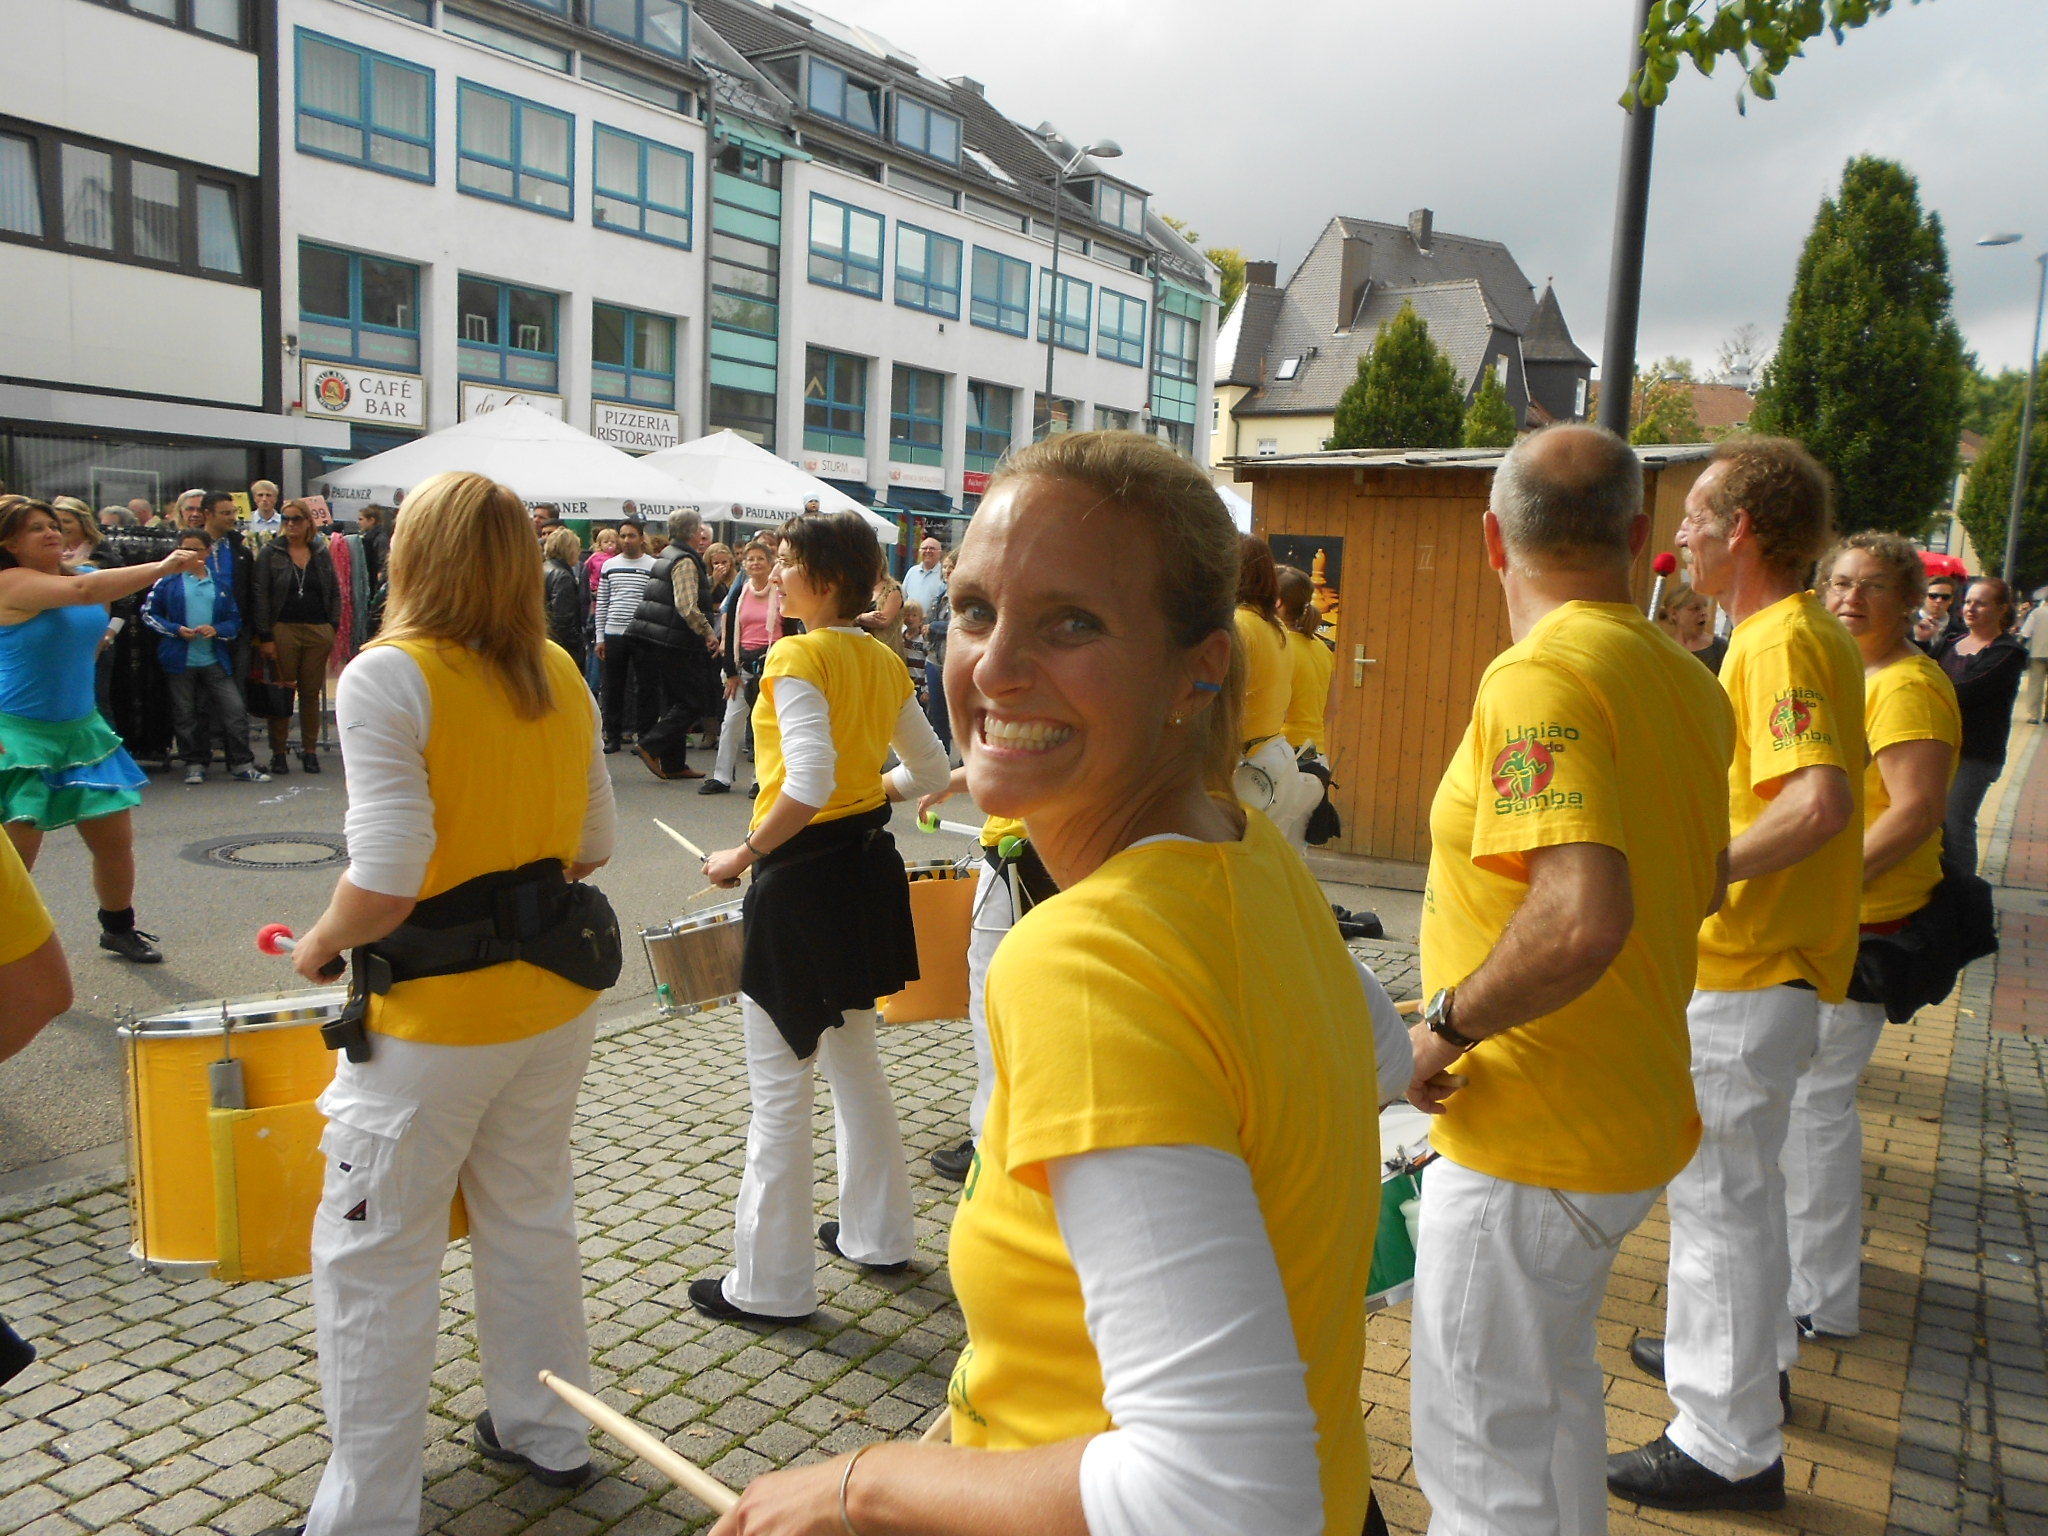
point(513, 150)
point(917, 416)
point(749, 164)
point(507, 334)
point(640, 187)
point(365, 107)
point(1073, 311)
point(1179, 340)
point(1269, 447)
point(660, 26)
point(224, 19)
point(1120, 334)
point(1109, 419)
point(846, 247)
point(1289, 367)
point(996, 213)
point(95, 199)
point(1058, 417)
point(835, 403)
point(927, 130)
point(477, 30)
point(359, 309)
point(1176, 349)
point(421, 11)
point(837, 95)
point(1579, 399)
point(991, 413)
point(597, 72)
point(1120, 209)
point(1002, 292)
point(924, 187)
point(1177, 435)
point(555, 7)
point(632, 356)
point(927, 271)
point(746, 411)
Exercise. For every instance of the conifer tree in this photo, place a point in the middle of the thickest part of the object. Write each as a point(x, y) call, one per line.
point(1405, 395)
point(1987, 501)
point(1490, 419)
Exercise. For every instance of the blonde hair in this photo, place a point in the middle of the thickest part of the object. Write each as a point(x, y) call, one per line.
point(464, 569)
point(1677, 595)
point(86, 520)
point(563, 545)
point(263, 485)
point(1198, 548)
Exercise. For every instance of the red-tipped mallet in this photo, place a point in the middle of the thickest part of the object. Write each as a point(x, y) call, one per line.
point(276, 939)
point(1665, 563)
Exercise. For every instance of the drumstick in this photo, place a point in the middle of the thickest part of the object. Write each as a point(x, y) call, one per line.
point(276, 939)
point(672, 832)
point(1408, 1006)
point(933, 824)
point(685, 1474)
point(1665, 563)
point(939, 1430)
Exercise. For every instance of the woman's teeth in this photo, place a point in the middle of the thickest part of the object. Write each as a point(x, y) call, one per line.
point(1023, 735)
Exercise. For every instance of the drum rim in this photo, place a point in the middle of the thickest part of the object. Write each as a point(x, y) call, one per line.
point(270, 1010)
point(710, 917)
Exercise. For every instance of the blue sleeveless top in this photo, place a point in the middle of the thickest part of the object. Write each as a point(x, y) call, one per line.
point(46, 664)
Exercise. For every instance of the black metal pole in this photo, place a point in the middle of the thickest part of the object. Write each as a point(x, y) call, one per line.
point(1625, 265)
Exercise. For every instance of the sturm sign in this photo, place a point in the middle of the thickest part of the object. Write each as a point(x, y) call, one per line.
point(343, 392)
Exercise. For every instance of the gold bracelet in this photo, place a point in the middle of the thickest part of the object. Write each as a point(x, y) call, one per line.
point(847, 1477)
point(748, 843)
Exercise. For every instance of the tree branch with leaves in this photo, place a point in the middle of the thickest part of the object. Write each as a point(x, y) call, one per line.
point(1762, 36)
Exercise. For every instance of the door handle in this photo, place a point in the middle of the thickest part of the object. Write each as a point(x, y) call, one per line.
point(1359, 662)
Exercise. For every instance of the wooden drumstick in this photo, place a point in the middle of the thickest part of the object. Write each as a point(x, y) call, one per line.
point(672, 832)
point(684, 1473)
point(1408, 1006)
point(940, 1430)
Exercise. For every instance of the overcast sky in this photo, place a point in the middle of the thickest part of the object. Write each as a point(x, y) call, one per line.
point(1260, 122)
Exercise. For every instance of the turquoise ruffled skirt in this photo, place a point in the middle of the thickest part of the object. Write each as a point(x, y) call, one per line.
point(56, 773)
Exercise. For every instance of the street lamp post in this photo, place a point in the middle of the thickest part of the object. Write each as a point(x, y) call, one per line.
point(2019, 464)
point(1107, 149)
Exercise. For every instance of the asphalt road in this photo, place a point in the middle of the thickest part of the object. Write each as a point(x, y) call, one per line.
point(62, 1097)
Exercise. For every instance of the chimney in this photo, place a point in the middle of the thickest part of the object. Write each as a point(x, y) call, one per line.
point(965, 83)
point(1262, 274)
point(1352, 277)
point(1419, 223)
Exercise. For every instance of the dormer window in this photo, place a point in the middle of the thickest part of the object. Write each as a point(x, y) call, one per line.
point(840, 96)
point(1289, 367)
point(1120, 208)
point(661, 26)
point(927, 130)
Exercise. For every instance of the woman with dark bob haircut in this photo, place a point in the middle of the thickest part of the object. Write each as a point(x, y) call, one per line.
point(828, 928)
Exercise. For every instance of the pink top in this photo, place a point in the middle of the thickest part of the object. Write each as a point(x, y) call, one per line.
point(594, 566)
point(754, 618)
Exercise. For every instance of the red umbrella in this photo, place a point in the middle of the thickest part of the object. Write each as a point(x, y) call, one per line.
point(1942, 565)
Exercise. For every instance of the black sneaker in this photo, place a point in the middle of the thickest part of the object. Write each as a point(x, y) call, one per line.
point(279, 764)
point(714, 787)
point(1358, 925)
point(611, 745)
point(954, 1162)
point(1647, 1351)
point(133, 945)
point(708, 1297)
point(828, 1239)
point(1664, 1477)
point(487, 1441)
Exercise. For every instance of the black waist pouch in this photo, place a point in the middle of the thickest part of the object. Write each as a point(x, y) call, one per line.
point(532, 913)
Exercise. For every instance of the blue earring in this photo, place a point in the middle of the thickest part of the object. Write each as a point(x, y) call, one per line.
point(1202, 687)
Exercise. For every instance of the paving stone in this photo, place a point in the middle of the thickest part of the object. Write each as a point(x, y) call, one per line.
point(109, 1505)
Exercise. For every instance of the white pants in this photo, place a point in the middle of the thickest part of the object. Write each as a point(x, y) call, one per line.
point(402, 1128)
point(732, 735)
point(994, 913)
point(1824, 1173)
point(775, 1258)
point(1510, 1432)
point(1728, 1331)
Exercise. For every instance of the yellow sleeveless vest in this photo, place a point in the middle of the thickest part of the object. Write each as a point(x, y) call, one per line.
point(506, 791)
point(864, 684)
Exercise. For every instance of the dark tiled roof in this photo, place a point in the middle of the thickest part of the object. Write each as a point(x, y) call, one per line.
point(1399, 262)
point(1546, 338)
point(1242, 343)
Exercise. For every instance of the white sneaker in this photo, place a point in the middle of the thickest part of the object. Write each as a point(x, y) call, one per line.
point(195, 774)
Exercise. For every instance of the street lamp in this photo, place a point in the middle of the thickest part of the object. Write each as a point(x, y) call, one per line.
point(1106, 149)
point(2019, 463)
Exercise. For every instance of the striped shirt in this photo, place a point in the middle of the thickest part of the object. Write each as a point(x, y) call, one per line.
point(619, 586)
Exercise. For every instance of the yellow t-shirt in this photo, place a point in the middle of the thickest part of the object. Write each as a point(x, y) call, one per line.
point(996, 828)
point(1595, 728)
point(1795, 678)
point(864, 685)
point(25, 925)
point(488, 816)
point(1184, 994)
point(1268, 675)
point(1309, 698)
point(1910, 700)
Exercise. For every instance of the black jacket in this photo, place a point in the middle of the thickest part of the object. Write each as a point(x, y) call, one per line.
point(656, 619)
point(565, 591)
point(1985, 691)
point(273, 584)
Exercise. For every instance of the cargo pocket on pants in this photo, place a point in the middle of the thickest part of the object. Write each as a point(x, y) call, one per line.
point(363, 1189)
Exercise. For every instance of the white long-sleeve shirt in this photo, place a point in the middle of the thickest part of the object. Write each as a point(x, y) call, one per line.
point(810, 762)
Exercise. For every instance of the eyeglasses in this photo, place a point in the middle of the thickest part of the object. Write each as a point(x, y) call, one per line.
point(1870, 586)
point(298, 520)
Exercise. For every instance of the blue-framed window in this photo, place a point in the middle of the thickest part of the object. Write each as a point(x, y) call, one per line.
point(367, 108)
point(632, 356)
point(835, 403)
point(514, 150)
point(846, 247)
point(660, 26)
point(927, 271)
point(1120, 208)
point(917, 416)
point(1002, 292)
point(842, 97)
point(358, 309)
point(1180, 345)
point(1120, 329)
point(1075, 297)
point(991, 420)
point(506, 335)
point(639, 187)
point(521, 45)
point(552, 7)
point(927, 130)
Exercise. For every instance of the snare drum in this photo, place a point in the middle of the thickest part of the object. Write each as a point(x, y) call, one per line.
point(1404, 1153)
point(696, 959)
point(941, 908)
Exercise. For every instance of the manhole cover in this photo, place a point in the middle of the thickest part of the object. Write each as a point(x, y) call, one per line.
point(273, 850)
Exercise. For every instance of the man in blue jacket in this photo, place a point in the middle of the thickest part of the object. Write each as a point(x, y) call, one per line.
point(198, 619)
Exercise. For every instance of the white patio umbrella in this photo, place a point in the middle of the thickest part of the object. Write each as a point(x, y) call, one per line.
point(1240, 510)
point(543, 459)
point(724, 475)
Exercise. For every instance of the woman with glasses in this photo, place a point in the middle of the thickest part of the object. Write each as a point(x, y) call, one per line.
point(298, 603)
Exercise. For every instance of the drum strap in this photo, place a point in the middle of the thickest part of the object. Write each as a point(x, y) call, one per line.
point(531, 913)
point(1029, 880)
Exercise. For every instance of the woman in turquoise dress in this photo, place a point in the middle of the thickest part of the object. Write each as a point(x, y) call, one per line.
point(61, 765)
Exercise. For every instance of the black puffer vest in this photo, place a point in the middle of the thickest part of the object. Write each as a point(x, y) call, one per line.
point(656, 619)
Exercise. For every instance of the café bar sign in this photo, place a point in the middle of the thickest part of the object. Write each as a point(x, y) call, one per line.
point(344, 392)
point(633, 428)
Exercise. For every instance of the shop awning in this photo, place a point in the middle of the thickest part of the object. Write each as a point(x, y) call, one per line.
point(124, 415)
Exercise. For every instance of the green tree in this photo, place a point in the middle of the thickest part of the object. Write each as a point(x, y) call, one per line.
point(1869, 370)
point(1988, 397)
point(1230, 262)
point(1405, 395)
point(1490, 419)
point(1664, 411)
point(1763, 37)
point(1987, 501)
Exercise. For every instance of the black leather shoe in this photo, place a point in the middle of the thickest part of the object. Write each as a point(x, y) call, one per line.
point(487, 1441)
point(954, 1162)
point(828, 1239)
point(611, 745)
point(708, 1296)
point(280, 765)
point(133, 945)
point(310, 761)
point(714, 787)
point(1647, 1351)
point(1664, 1477)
